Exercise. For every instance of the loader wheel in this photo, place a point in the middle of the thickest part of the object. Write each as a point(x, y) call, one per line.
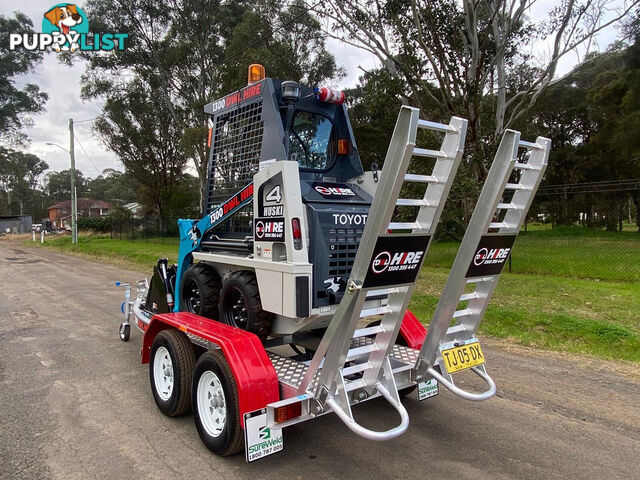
point(170, 370)
point(214, 397)
point(200, 291)
point(240, 305)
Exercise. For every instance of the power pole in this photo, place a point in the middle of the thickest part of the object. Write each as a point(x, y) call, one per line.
point(74, 199)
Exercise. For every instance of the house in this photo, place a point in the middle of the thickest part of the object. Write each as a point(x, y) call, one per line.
point(135, 208)
point(60, 213)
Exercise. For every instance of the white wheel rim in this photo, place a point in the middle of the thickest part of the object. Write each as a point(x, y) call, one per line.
point(212, 406)
point(163, 373)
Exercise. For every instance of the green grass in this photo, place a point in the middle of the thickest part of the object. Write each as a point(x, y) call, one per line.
point(565, 251)
point(139, 254)
point(600, 318)
point(579, 315)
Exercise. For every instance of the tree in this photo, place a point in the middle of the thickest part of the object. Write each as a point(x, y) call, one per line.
point(115, 187)
point(468, 58)
point(145, 138)
point(185, 61)
point(19, 175)
point(16, 103)
point(58, 185)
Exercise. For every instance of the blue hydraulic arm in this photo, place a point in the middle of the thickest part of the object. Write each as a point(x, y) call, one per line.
point(192, 232)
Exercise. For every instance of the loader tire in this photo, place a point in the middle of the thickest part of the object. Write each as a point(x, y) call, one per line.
point(170, 370)
point(200, 291)
point(240, 305)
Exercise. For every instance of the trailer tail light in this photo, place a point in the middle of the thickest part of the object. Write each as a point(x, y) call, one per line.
point(297, 233)
point(343, 146)
point(287, 412)
point(256, 73)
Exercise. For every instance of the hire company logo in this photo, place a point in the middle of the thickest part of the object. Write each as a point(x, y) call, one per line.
point(65, 27)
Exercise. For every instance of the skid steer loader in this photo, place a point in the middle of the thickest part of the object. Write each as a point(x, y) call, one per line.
point(289, 299)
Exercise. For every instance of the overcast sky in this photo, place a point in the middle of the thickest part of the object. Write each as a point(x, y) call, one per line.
point(62, 83)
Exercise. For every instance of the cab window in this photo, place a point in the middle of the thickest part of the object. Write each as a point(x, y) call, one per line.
point(312, 140)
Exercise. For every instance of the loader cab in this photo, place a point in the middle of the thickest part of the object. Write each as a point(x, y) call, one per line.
point(271, 120)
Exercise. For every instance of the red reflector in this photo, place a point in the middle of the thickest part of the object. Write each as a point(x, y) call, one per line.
point(295, 226)
point(288, 412)
point(209, 139)
point(343, 147)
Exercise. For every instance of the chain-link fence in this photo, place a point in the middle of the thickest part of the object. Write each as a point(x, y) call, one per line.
point(576, 234)
point(585, 232)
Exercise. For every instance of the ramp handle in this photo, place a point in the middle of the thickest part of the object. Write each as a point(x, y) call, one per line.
point(371, 434)
point(476, 397)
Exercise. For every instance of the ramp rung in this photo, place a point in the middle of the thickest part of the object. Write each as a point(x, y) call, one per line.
point(469, 296)
point(365, 332)
point(412, 177)
point(499, 225)
point(515, 186)
point(508, 206)
point(456, 329)
point(360, 351)
point(411, 202)
point(361, 367)
point(437, 127)
point(426, 152)
point(535, 146)
point(382, 291)
point(369, 312)
point(404, 226)
point(524, 166)
point(354, 385)
point(480, 279)
point(462, 313)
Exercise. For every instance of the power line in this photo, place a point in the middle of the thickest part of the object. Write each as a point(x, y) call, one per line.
point(85, 153)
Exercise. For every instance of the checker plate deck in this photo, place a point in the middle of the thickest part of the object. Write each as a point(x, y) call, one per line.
point(291, 372)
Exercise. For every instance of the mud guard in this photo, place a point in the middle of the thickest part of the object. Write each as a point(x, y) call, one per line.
point(252, 369)
point(412, 331)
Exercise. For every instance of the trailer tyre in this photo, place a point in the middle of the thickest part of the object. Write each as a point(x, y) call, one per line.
point(170, 370)
point(200, 291)
point(240, 305)
point(214, 396)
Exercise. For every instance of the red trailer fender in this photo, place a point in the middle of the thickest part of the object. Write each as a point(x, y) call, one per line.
point(412, 331)
point(254, 374)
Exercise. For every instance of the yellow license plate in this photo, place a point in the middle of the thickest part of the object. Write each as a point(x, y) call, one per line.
point(464, 356)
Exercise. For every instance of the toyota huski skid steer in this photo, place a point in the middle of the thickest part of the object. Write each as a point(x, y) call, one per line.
point(289, 299)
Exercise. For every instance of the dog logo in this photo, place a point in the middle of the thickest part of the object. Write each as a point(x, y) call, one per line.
point(65, 28)
point(66, 22)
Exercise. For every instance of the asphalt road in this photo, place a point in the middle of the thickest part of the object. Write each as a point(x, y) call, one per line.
point(75, 402)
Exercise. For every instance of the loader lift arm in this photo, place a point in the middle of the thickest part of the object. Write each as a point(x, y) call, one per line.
point(192, 232)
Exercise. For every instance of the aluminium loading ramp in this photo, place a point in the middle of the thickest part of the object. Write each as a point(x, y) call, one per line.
point(387, 264)
point(484, 250)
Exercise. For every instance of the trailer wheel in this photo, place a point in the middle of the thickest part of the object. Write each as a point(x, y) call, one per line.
point(214, 397)
point(170, 370)
point(240, 305)
point(125, 332)
point(200, 291)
